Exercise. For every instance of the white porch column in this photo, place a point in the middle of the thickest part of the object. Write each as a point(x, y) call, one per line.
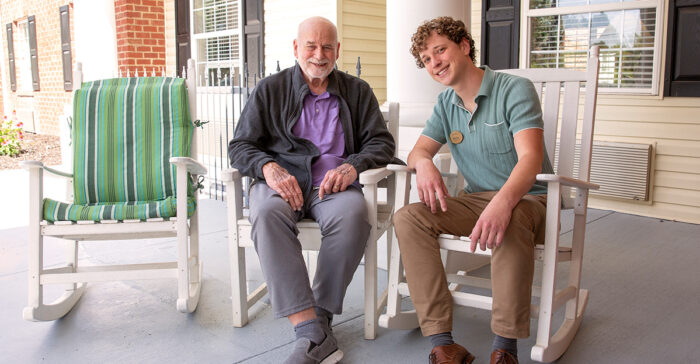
point(407, 84)
point(95, 38)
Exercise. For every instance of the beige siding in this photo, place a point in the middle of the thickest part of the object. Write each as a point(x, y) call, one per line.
point(282, 17)
point(363, 34)
point(673, 124)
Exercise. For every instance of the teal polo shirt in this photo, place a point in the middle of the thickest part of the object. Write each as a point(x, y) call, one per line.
point(505, 105)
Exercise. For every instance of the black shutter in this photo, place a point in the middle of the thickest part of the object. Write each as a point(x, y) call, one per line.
point(31, 23)
point(65, 48)
point(182, 33)
point(683, 49)
point(500, 29)
point(11, 57)
point(253, 31)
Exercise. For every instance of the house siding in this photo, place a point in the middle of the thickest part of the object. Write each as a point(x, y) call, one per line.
point(363, 34)
point(671, 124)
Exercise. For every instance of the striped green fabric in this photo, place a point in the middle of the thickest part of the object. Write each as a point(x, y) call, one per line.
point(140, 210)
point(124, 132)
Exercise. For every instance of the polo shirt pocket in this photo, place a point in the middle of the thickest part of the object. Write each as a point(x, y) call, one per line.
point(496, 138)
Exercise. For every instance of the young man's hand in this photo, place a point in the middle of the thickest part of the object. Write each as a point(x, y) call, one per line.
point(337, 179)
point(491, 226)
point(431, 187)
point(283, 183)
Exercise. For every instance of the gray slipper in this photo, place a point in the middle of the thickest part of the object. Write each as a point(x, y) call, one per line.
point(305, 352)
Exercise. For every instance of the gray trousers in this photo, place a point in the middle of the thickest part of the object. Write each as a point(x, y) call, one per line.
point(344, 226)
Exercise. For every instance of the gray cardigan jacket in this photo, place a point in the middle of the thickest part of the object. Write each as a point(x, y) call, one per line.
point(264, 130)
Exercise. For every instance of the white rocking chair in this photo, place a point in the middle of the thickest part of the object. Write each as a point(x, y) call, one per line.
point(380, 214)
point(163, 108)
point(556, 83)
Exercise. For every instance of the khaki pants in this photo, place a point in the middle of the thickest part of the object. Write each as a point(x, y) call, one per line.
point(512, 263)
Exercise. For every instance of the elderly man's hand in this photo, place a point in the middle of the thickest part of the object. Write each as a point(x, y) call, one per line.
point(337, 179)
point(283, 183)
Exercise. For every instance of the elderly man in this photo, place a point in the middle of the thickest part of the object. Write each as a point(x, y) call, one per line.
point(305, 135)
point(493, 125)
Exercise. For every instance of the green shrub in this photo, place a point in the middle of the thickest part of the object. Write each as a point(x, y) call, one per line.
point(11, 136)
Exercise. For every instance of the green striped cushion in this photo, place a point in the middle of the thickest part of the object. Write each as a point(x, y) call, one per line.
point(60, 211)
point(124, 132)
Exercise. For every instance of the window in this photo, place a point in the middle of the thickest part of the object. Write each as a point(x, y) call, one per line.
point(216, 33)
point(562, 31)
point(22, 58)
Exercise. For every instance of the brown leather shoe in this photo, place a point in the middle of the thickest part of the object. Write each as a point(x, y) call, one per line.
point(450, 354)
point(500, 356)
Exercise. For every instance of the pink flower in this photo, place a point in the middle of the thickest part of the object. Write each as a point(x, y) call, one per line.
point(20, 124)
point(4, 142)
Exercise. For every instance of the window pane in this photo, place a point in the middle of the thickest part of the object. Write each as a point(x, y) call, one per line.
point(626, 39)
point(544, 4)
point(215, 16)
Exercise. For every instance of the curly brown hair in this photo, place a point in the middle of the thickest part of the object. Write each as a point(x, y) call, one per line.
point(453, 29)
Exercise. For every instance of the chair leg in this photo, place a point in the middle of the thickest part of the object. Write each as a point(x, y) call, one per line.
point(189, 268)
point(394, 318)
point(36, 310)
point(548, 349)
point(239, 291)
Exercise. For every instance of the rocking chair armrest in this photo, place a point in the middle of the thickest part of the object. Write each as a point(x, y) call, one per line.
point(374, 175)
point(190, 164)
point(567, 181)
point(440, 156)
point(400, 168)
point(230, 175)
point(29, 165)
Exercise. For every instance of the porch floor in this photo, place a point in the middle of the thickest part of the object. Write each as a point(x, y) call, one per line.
point(642, 275)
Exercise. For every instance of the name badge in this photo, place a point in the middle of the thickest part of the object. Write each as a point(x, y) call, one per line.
point(456, 137)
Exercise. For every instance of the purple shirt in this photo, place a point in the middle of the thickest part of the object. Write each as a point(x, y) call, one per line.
point(319, 123)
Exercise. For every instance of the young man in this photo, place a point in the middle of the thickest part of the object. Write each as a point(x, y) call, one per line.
point(305, 135)
point(493, 124)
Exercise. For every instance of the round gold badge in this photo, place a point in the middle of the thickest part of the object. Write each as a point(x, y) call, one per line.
point(456, 137)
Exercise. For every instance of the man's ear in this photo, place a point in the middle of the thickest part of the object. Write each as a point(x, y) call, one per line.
point(337, 51)
point(295, 48)
point(464, 46)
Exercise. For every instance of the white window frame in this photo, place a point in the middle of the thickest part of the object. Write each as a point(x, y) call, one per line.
point(659, 5)
point(196, 38)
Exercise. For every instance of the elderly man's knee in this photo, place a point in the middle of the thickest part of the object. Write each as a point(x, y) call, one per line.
point(269, 210)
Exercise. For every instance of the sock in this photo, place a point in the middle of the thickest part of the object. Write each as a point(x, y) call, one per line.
point(322, 312)
point(509, 345)
point(443, 338)
point(310, 329)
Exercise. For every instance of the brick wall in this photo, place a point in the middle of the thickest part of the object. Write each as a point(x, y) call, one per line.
point(140, 35)
point(48, 103)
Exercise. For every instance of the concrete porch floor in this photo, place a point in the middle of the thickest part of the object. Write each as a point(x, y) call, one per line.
point(642, 274)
